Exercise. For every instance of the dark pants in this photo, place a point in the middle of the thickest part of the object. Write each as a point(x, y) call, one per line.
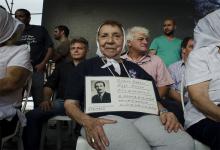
point(35, 120)
point(37, 87)
point(206, 131)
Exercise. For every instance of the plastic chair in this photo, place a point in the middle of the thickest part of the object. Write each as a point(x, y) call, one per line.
point(50, 66)
point(198, 144)
point(19, 129)
point(58, 120)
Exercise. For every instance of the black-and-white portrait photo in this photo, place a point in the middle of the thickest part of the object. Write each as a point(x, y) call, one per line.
point(101, 92)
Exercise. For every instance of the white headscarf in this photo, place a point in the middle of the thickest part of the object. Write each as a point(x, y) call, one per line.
point(207, 31)
point(110, 61)
point(8, 25)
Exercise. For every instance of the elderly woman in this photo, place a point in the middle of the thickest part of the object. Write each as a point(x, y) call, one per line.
point(120, 130)
point(202, 116)
point(15, 68)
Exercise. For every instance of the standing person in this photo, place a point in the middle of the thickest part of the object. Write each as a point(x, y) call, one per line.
point(55, 85)
point(203, 82)
point(61, 52)
point(137, 43)
point(177, 71)
point(41, 51)
point(15, 70)
point(120, 130)
point(102, 96)
point(167, 46)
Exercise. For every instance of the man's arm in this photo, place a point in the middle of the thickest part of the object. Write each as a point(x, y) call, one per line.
point(48, 55)
point(56, 56)
point(200, 99)
point(40, 67)
point(175, 95)
point(163, 78)
point(15, 78)
point(163, 90)
point(93, 126)
point(50, 86)
point(46, 103)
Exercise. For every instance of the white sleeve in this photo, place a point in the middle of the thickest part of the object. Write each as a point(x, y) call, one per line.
point(21, 57)
point(197, 67)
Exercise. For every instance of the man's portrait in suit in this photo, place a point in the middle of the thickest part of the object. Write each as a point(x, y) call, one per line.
point(102, 96)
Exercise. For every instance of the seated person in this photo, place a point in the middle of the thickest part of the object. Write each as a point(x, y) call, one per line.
point(120, 130)
point(137, 43)
point(202, 113)
point(54, 85)
point(15, 70)
point(177, 71)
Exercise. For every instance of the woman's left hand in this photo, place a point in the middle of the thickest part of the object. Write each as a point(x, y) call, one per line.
point(170, 122)
point(95, 133)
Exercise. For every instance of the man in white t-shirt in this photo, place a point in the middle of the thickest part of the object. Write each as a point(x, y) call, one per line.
point(202, 115)
point(15, 68)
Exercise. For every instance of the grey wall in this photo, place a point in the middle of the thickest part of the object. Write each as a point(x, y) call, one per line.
point(84, 16)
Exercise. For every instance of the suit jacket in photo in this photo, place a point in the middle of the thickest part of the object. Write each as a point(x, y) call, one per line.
point(106, 98)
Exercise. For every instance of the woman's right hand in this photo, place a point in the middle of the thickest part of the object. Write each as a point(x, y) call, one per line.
point(95, 134)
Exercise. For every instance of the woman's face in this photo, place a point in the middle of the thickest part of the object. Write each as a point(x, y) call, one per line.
point(110, 39)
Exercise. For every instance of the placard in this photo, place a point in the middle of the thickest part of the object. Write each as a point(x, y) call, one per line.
point(106, 94)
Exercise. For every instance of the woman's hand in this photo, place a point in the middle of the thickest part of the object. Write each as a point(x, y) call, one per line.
point(95, 133)
point(170, 122)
